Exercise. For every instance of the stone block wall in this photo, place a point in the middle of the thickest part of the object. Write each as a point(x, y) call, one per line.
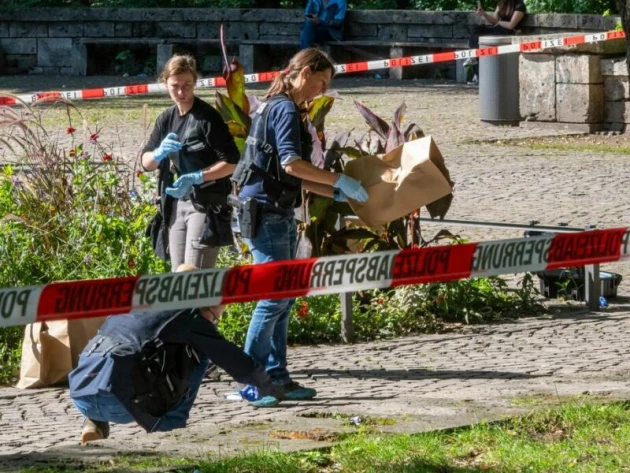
point(45, 40)
point(616, 93)
point(574, 87)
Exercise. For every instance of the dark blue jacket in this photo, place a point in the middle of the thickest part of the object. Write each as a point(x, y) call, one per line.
point(110, 361)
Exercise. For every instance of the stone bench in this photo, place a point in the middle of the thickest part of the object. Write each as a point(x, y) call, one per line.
point(251, 55)
point(164, 48)
point(253, 60)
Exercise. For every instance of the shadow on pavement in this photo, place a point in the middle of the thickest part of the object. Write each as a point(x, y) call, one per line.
point(398, 375)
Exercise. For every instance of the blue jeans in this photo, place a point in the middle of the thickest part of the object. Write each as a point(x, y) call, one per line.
point(314, 33)
point(106, 407)
point(266, 342)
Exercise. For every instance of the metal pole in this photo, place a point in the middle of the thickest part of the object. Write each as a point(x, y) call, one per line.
point(345, 299)
point(592, 286)
point(515, 226)
point(347, 324)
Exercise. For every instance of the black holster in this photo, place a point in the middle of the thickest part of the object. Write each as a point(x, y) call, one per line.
point(249, 211)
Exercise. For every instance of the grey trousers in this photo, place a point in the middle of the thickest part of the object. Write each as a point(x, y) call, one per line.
point(186, 226)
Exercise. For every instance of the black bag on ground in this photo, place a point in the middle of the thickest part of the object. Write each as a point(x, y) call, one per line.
point(218, 227)
point(157, 230)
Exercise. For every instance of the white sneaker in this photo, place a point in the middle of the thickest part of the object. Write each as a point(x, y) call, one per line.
point(474, 81)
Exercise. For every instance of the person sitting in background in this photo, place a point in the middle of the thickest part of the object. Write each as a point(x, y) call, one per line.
point(147, 368)
point(324, 22)
point(503, 22)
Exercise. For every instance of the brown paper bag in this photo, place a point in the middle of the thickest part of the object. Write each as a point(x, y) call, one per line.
point(405, 179)
point(51, 350)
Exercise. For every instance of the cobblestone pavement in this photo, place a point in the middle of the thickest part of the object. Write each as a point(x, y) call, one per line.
point(425, 382)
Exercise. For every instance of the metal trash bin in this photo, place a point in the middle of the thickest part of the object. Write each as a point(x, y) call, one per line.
point(498, 84)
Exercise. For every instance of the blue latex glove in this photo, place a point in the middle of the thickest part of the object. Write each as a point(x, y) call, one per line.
point(168, 145)
point(351, 188)
point(340, 196)
point(183, 186)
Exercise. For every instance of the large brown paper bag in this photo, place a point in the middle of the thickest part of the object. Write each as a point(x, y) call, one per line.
point(405, 179)
point(51, 350)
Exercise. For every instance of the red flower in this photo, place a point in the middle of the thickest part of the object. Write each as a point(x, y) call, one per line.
point(94, 138)
point(71, 130)
point(107, 157)
point(131, 264)
point(138, 173)
point(380, 301)
point(303, 310)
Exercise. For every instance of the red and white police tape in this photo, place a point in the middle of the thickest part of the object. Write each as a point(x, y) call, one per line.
point(339, 68)
point(307, 277)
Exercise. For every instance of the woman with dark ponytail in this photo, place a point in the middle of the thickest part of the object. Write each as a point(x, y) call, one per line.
point(273, 170)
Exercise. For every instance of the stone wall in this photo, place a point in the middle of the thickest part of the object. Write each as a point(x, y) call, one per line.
point(45, 41)
point(583, 88)
point(616, 93)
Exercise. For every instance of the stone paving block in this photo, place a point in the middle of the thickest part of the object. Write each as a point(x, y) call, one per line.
point(536, 85)
point(99, 29)
point(614, 67)
point(618, 112)
point(578, 69)
point(18, 46)
point(429, 31)
point(53, 52)
point(579, 103)
point(172, 29)
point(270, 29)
point(65, 30)
point(616, 88)
point(360, 31)
point(391, 33)
point(211, 31)
point(123, 30)
point(28, 30)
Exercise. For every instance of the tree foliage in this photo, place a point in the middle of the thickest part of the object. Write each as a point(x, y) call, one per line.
point(533, 6)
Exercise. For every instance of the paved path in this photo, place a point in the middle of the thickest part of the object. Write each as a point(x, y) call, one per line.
point(425, 382)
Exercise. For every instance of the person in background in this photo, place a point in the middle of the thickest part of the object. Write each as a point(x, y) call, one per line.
point(192, 136)
point(147, 368)
point(274, 169)
point(323, 23)
point(502, 22)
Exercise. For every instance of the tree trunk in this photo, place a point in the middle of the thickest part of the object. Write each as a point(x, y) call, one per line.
point(624, 11)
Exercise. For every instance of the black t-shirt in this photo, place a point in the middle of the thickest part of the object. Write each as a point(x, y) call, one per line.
point(520, 6)
point(206, 138)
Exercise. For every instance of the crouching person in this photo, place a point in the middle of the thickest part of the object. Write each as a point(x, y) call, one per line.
point(147, 368)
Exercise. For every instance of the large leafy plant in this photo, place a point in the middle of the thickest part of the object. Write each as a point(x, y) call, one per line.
point(329, 230)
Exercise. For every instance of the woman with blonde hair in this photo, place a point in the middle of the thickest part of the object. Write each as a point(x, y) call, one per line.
point(274, 169)
point(191, 138)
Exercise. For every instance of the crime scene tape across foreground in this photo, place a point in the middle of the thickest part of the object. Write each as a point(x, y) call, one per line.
point(121, 91)
point(307, 277)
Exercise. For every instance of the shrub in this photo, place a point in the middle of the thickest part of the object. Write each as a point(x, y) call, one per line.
point(67, 213)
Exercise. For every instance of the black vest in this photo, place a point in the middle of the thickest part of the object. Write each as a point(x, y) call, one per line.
point(261, 158)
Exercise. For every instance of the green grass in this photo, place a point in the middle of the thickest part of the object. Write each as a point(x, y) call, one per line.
point(564, 146)
point(576, 437)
